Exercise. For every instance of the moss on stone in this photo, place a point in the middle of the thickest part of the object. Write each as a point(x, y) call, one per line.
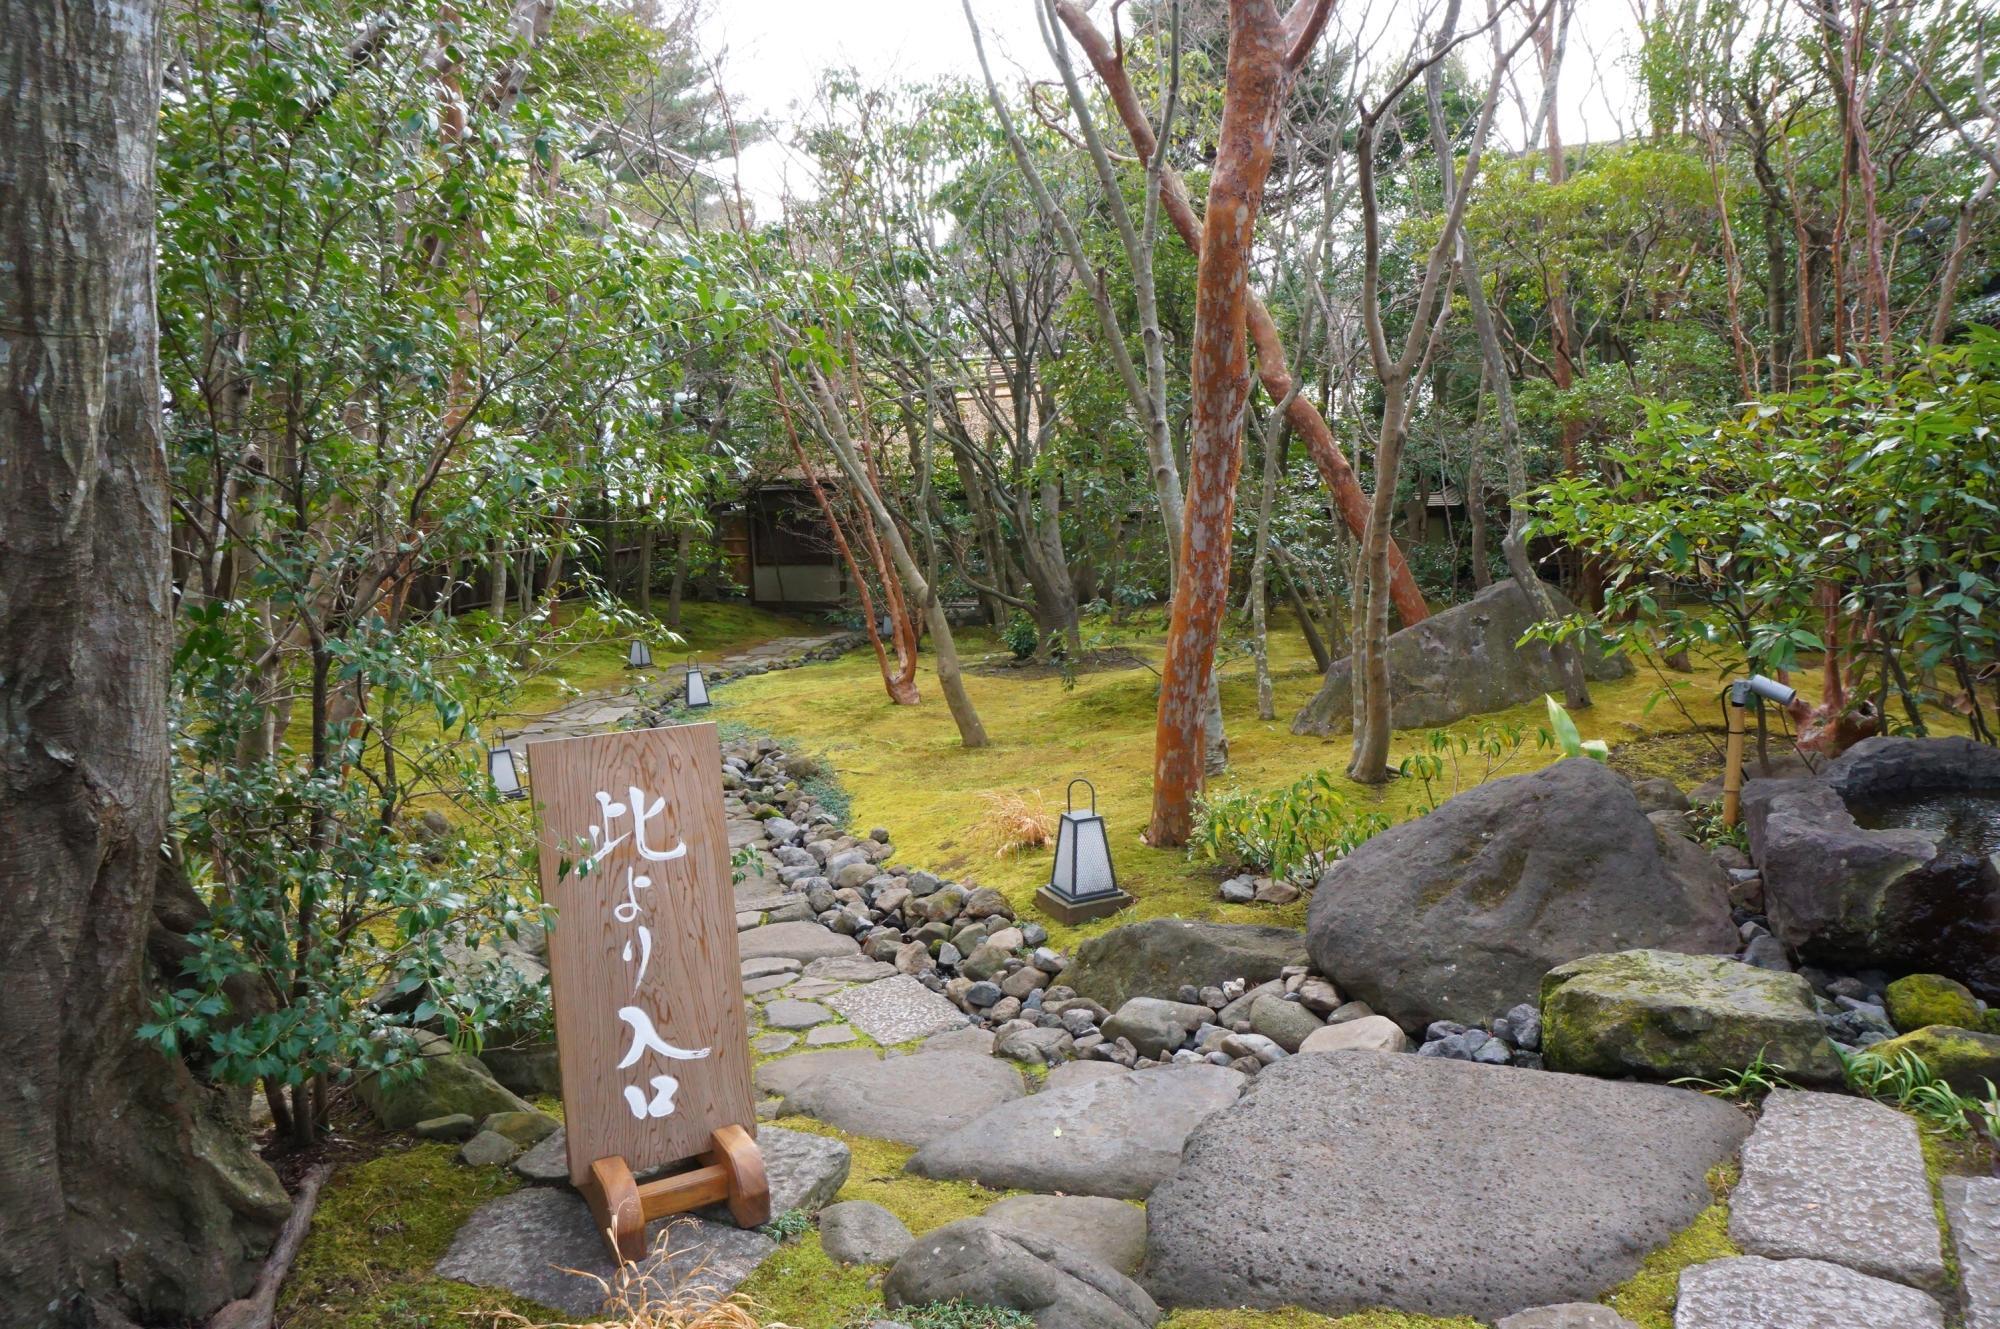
point(1964, 1058)
point(876, 1173)
point(380, 1227)
point(1647, 1298)
point(1921, 1000)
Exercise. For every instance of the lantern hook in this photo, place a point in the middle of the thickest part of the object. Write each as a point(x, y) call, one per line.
point(1069, 794)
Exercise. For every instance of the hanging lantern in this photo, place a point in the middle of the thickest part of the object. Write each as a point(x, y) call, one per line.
point(1082, 884)
point(503, 770)
point(640, 656)
point(697, 686)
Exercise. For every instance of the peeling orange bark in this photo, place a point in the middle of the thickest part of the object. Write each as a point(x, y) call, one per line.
point(1272, 370)
point(1264, 51)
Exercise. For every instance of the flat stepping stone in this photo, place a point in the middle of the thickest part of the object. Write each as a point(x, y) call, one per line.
point(787, 1013)
point(1346, 1181)
point(815, 988)
point(1751, 1292)
point(769, 964)
point(1118, 1137)
point(744, 922)
point(767, 983)
point(828, 1035)
point(795, 941)
point(1079, 1072)
point(1111, 1232)
point(896, 1010)
point(910, 1100)
point(541, 1243)
point(1972, 1204)
point(772, 1043)
point(850, 969)
point(782, 1076)
point(971, 1038)
point(1569, 1315)
point(1829, 1177)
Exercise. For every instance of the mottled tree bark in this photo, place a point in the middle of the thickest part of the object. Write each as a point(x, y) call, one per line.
point(123, 1191)
point(1264, 52)
point(1272, 371)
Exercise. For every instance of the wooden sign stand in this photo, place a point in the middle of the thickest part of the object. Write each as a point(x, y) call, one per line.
point(733, 1171)
point(650, 1028)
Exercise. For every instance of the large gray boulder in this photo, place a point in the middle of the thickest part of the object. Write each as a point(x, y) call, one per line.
point(911, 1100)
point(986, 1264)
point(1356, 1179)
point(1156, 957)
point(1661, 1015)
point(1120, 1136)
point(1457, 915)
point(1460, 661)
point(1894, 898)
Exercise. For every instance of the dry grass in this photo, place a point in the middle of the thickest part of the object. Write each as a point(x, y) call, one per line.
point(1014, 823)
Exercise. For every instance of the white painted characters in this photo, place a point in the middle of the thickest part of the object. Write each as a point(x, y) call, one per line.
point(638, 946)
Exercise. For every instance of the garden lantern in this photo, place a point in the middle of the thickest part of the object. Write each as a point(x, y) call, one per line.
point(504, 772)
point(1082, 884)
point(640, 656)
point(697, 686)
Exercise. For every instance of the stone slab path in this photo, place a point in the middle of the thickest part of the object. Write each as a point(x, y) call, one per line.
point(1972, 1205)
point(1828, 1177)
point(1751, 1292)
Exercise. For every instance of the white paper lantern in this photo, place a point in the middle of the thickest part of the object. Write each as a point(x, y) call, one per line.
point(697, 686)
point(503, 769)
point(640, 656)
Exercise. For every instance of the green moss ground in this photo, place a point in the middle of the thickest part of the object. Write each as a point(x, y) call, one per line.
point(380, 1226)
point(905, 769)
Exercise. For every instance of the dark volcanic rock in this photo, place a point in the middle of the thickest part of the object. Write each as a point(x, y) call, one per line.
point(1158, 957)
point(1457, 915)
point(1361, 1179)
point(1460, 661)
point(1896, 899)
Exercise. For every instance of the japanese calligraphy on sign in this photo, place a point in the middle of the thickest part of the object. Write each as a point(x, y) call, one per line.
point(649, 1015)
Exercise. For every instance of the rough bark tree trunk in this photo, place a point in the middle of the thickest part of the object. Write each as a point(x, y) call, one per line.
point(125, 1193)
point(1264, 52)
point(1272, 371)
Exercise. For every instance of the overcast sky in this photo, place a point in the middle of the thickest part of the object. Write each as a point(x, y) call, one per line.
point(775, 50)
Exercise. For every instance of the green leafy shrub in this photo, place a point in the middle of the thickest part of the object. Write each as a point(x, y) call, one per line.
point(1021, 636)
point(1292, 832)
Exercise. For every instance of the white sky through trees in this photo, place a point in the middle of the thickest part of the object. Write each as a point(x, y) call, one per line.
point(774, 51)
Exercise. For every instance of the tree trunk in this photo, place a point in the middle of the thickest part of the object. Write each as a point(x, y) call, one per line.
point(496, 599)
point(1267, 493)
point(950, 681)
point(644, 572)
point(1272, 371)
point(677, 588)
point(124, 1192)
point(1263, 50)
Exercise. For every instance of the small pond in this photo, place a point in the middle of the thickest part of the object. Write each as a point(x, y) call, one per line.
point(1967, 821)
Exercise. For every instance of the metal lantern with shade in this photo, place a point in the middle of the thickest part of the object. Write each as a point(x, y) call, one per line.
point(640, 656)
point(503, 768)
point(697, 686)
point(1082, 883)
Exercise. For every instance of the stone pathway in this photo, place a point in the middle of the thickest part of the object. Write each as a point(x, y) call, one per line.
point(595, 712)
point(1834, 1213)
point(1428, 1166)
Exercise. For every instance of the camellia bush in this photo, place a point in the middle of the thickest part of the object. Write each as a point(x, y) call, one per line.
point(1859, 514)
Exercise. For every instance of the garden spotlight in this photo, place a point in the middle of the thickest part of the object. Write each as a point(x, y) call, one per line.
point(1740, 692)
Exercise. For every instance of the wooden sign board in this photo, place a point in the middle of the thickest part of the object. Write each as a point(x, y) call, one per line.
point(650, 1028)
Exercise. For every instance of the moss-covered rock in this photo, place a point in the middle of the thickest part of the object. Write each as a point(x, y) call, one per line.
point(1964, 1058)
point(1922, 1000)
point(523, 1128)
point(1663, 1015)
point(445, 1082)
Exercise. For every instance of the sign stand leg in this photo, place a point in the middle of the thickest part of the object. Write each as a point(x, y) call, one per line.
point(732, 1170)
